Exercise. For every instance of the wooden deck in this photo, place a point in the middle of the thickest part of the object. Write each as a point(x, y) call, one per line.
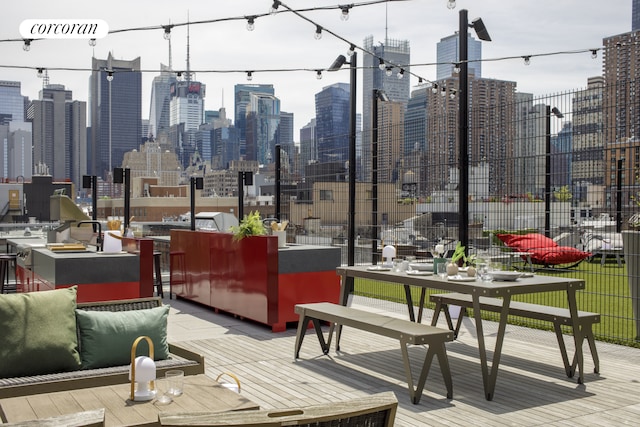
point(532, 389)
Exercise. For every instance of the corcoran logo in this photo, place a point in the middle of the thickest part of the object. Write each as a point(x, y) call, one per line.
point(63, 29)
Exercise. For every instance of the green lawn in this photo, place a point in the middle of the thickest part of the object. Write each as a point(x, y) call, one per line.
point(606, 293)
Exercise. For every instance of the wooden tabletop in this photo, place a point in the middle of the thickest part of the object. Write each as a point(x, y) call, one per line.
point(201, 393)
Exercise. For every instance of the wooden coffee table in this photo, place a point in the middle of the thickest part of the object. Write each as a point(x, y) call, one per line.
point(201, 393)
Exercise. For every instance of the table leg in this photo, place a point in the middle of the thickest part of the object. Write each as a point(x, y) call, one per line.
point(603, 259)
point(489, 377)
point(578, 335)
point(407, 292)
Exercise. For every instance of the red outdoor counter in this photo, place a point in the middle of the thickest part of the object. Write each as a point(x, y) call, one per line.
point(252, 278)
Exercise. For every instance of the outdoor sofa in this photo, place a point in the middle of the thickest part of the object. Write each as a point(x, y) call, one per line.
point(51, 343)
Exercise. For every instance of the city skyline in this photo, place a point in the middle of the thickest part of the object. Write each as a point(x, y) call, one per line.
point(279, 42)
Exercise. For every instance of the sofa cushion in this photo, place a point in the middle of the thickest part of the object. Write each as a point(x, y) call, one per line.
point(106, 337)
point(526, 242)
point(38, 333)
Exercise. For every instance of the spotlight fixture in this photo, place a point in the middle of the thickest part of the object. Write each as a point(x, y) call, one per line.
point(527, 59)
point(451, 4)
point(318, 34)
point(594, 53)
point(251, 23)
point(480, 29)
point(274, 7)
point(400, 74)
point(249, 75)
point(27, 45)
point(319, 74)
point(167, 32)
point(388, 71)
point(40, 72)
point(344, 16)
point(456, 68)
point(381, 64)
point(109, 75)
point(92, 42)
point(351, 50)
point(557, 112)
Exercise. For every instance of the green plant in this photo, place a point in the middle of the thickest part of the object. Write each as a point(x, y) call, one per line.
point(250, 225)
point(458, 254)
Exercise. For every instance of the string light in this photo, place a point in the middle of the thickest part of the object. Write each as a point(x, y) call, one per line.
point(434, 88)
point(319, 74)
point(594, 53)
point(351, 50)
point(179, 75)
point(527, 59)
point(40, 72)
point(456, 68)
point(388, 71)
point(251, 23)
point(443, 91)
point(249, 75)
point(451, 4)
point(419, 80)
point(167, 32)
point(92, 42)
point(109, 75)
point(381, 64)
point(401, 74)
point(344, 16)
point(274, 7)
point(318, 34)
point(452, 93)
point(27, 45)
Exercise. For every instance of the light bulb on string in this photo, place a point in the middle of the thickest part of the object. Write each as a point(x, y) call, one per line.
point(388, 71)
point(344, 16)
point(249, 75)
point(594, 53)
point(351, 50)
point(434, 88)
point(167, 32)
point(452, 94)
point(274, 7)
point(40, 72)
point(92, 42)
point(319, 74)
point(381, 64)
point(251, 23)
point(456, 68)
point(451, 4)
point(318, 34)
point(401, 74)
point(443, 91)
point(109, 75)
point(27, 45)
point(527, 60)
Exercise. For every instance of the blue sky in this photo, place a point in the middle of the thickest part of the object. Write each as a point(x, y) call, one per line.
point(285, 41)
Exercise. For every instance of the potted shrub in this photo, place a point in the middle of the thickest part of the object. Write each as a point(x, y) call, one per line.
point(250, 225)
point(460, 259)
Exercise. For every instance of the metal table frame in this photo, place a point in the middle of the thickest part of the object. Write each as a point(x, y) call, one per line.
point(476, 289)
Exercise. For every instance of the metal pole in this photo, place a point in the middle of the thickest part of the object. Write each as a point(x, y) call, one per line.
point(278, 178)
point(351, 238)
point(193, 203)
point(374, 180)
point(127, 197)
point(463, 133)
point(94, 198)
point(240, 196)
point(619, 198)
point(547, 173)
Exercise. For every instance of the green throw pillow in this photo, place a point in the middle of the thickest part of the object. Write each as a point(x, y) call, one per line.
point(38, 332)
point(106, 337)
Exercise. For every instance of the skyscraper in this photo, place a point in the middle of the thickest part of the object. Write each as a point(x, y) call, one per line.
point(398, 53)
point(262, 122)
point(448, 54)
point(11, 102)
point(308, 144)
point(242, 94)
point(185, 117)
point(15, 133)
point(115, 110)
point(635, 15)
point(415, 126)
point(160, 100)
point(332, 123)
point(59, 133)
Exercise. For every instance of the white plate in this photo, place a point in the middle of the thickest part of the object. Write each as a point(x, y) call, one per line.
point(527, 275)
point(508, 276)
point(378, 268)
point(418, 273)
point(461, 279)
point(422, 266)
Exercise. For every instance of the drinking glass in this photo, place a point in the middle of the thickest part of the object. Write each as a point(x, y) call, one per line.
point(176, 379)
point(442, 270)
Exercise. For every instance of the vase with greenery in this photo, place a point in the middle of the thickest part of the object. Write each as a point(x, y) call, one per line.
point(460, 259)
point(250, 225)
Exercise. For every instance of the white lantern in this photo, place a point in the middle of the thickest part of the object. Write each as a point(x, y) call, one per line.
point(142, 373)
point(388, 253)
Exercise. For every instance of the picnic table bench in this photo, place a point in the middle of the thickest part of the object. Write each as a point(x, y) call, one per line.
point(407, 332)
point(556, 315)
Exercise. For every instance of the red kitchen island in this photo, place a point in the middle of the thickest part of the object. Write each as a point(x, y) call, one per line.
point(252, 278)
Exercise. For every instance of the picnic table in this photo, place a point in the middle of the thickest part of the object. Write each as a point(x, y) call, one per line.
point(504, 290)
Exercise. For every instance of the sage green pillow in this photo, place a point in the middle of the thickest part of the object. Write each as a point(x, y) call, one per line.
point(38, 332)
point(106, 337)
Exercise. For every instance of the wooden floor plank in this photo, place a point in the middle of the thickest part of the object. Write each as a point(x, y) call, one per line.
point(532, 388)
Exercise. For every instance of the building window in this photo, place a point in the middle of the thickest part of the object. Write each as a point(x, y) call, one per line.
point(326, 195)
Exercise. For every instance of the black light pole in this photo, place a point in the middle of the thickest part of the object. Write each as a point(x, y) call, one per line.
point(463, 121)
point(351, 237)
point(378, 95)
point(278, 178)
point(127, 198)
point(547, 167)
point(240, 196)
point(197, 183)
